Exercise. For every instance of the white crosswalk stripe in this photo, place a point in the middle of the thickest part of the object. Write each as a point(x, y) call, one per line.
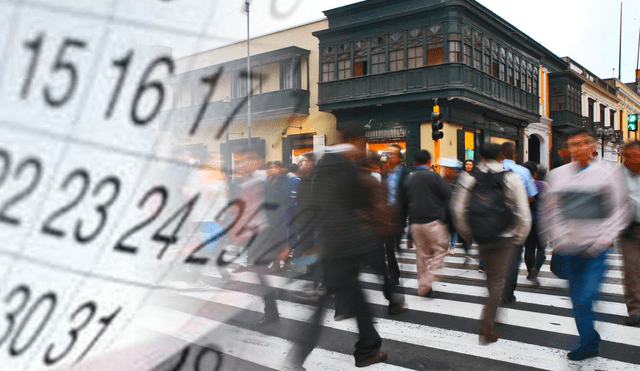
point(541, 327)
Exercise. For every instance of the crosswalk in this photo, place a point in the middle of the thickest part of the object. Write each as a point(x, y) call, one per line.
point(436, 333)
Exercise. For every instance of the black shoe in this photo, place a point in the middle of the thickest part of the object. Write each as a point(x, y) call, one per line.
point(632, 320)
point(342, 317)
point(509, 300)
point(581, 353)
point(533, 275)
point(397, 308)
point(268, 319)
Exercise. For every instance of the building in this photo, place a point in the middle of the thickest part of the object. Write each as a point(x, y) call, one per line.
point(285, 120)
point(385, 65)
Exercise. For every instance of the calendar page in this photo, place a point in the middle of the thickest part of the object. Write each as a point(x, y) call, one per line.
point(105, 226)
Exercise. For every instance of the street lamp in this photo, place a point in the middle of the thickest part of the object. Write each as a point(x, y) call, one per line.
point(249, 87)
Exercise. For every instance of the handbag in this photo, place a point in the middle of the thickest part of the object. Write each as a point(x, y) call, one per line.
point(557, 265)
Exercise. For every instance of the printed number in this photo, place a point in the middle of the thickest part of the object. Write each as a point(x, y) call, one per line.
point(101, 209)
point(50, 297)
point(144, 86)
point(192, 259)
point(162, 191)
point(184, 355)
point(89, 307)
point(11, 316)
point(105, 322)
point(123, 64)
point(183, 214)
point(84, 177)
point(212, 81)
point(60, 65)
point(29, 162)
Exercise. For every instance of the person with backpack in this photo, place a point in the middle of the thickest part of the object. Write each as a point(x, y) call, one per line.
point(490, 206)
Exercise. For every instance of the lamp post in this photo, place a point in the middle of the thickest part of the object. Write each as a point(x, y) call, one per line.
point(227, 107)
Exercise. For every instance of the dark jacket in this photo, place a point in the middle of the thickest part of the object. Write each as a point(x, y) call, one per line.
point(401, 201)
point(427, 196)
point(340, 196)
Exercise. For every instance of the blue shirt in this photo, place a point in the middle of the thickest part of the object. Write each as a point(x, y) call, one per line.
point(392, 183)
point(524, 174)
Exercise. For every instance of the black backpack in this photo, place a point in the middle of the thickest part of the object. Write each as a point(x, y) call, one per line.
point(489, 214)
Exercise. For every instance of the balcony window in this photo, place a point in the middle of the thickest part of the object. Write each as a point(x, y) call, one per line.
point(240, 85)
point(378, 59)
point(575, 103)
point(360, 50)
point(344, 61)
point(510, 68)
point(523, 76)
point(494, 60)
point(535, 80)
point(487, 55)
point(529, 78)
point(503, 59)
point(328, 64)
point(435, 45)
point(516, 71)
point(454, 47)
point(289, 79)
point(477, 50)
point(558, 99)
point(415, 49)
point(396, 52)
point(466, 45)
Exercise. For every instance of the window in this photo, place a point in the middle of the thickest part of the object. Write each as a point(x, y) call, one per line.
point(558, 99)
point(612, 118)
point(435, 45)
point(523, 76)
point(503, 58)
point(455, 44)
point(494, 60)
point(240, 84)
point(360, 58)
point(535, 80)
point(592, 111)
point(289, 79)
point(477, 50)
point(466, 48)
point(529, 78)
point(378, 59)
point(487, 56)
point(516, 71)
point(396, 52)
point(415, 49)
point(575, 102)
point(344, 61)
point(328, 64)
point(510, 68)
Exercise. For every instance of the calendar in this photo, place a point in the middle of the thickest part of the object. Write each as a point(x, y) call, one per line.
point(99, 218)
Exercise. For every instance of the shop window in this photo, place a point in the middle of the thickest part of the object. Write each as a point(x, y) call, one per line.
point(487, 55)
point(477, 50)
point(344, 61)
point(378, 59)
point(396, 51)
point(360, 58)
point(494, 60)
point(328, 64)
point(415, 49)
point(435, 45)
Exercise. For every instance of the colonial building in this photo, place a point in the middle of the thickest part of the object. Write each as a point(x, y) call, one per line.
point(285, 120)
point(385, 64)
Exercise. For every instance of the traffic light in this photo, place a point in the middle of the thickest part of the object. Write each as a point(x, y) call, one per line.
point(632, 122)
point(436, 124)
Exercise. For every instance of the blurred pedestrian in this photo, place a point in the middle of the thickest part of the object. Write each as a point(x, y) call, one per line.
point(585, 208)
point(508, 157)
point(630, 241)
point(534, 246)
point(397, 172)
point(501, 193)
point(427, 197)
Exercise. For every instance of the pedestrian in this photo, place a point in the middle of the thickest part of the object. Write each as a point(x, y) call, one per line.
point(469, 167)
point(585, 208)
point(630, 241)
point(347, 243)
point(427, 196)
point(508, 157)
point(394, 179)
point(506, 229)
point(534, 246)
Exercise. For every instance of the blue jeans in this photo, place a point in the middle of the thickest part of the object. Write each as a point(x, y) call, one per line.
point(585, 276)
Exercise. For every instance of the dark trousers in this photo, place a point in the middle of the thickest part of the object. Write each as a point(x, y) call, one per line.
point(496, 257)
point(513, 269)
point(392, 243)
point(534, 249)
point(341, 278)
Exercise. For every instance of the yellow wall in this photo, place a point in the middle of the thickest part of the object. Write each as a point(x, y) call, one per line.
point(223, 88)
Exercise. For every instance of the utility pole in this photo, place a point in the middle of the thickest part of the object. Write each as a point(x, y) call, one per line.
point(249, 87)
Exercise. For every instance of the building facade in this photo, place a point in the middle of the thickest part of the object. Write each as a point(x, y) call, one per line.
point(385, 64)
